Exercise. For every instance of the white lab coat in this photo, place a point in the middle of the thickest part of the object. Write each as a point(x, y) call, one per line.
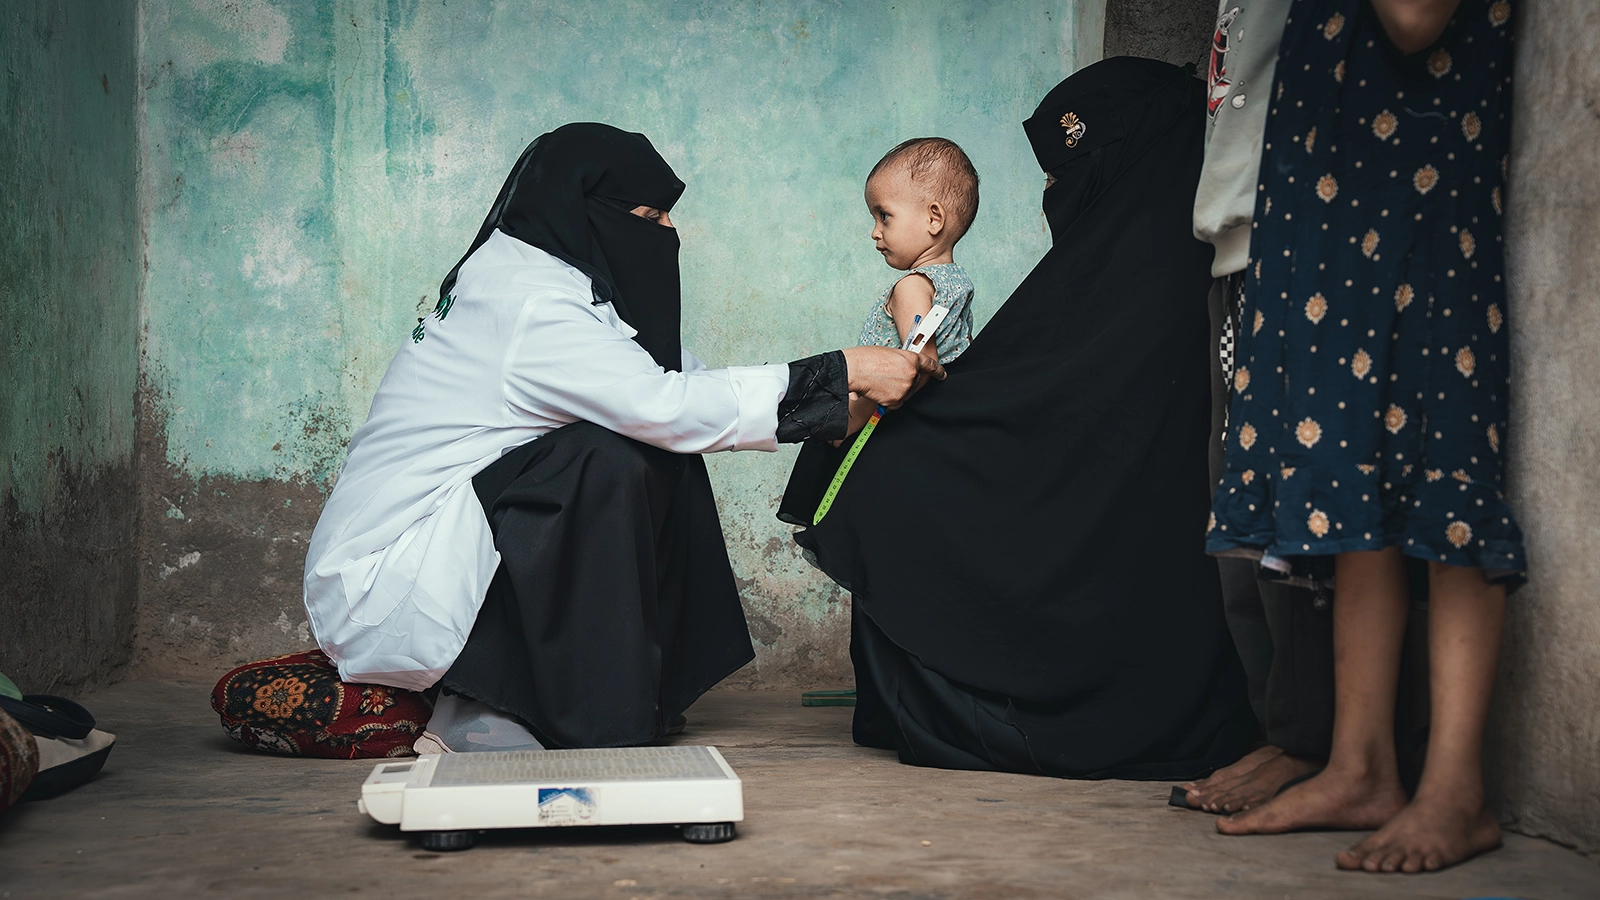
point(402, 556)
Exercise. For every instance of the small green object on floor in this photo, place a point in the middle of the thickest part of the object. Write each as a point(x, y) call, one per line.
point(828, 698)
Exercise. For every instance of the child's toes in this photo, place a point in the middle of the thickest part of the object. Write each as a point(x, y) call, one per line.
point(1365, 854)
point(1381, 859)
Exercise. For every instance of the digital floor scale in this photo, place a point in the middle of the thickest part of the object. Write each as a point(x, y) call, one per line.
point(452, 797)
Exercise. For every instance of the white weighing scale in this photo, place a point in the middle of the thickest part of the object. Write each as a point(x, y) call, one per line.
point(451, 797)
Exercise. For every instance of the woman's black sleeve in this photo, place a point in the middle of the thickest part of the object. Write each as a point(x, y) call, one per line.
point(817, 404)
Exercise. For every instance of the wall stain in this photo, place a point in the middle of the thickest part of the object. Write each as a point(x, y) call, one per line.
point(220, 559)
point(68, 582)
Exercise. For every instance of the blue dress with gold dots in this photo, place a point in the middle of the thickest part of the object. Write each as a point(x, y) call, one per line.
point(1369, 395)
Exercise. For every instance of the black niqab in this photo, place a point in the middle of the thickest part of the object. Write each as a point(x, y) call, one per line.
point(570, 194)
point(1032, 529)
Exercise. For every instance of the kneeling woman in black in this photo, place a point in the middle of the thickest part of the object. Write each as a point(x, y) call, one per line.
point(1024, 543)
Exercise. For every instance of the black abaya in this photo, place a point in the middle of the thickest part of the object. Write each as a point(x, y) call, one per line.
point(1024, 541)
point(614, 607)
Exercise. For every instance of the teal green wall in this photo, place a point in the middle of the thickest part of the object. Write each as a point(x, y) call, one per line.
point(69, 320)
point(313, 169)
point(69, 274)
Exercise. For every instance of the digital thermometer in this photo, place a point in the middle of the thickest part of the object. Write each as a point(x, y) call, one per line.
point(925, 327)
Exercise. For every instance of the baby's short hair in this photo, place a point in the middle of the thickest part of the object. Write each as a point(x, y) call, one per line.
point(940, 166)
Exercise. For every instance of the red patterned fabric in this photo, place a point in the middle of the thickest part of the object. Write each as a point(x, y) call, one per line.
point(295, 705)
point(19, 760)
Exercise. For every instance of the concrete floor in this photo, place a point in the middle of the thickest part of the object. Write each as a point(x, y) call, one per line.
point(182, 811)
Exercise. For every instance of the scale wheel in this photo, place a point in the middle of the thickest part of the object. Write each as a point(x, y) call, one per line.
point(709, 832)
point(449, 841)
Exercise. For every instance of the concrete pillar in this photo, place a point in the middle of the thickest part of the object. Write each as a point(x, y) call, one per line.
point(69, 342)
point(1544, 743)
point(1174, 31)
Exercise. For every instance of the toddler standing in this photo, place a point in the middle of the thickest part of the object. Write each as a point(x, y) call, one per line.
point(923, 196)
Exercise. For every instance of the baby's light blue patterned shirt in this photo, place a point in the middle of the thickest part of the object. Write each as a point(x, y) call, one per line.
point(951, 288)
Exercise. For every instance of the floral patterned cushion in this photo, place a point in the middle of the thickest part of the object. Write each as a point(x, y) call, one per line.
point(295, 705)
point(19, 760)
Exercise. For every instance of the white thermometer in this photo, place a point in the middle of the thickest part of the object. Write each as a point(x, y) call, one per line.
point(925, 329)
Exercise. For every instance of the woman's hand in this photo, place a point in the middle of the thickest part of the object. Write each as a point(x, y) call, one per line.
point(889, 376)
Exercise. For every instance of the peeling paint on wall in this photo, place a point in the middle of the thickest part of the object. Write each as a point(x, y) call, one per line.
point(219, 562)
point(313, 169)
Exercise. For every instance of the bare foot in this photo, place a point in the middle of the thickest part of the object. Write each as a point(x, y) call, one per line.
point(1249, 782)
point(1425, 837)
point(1329, 800)
point(1238, 770)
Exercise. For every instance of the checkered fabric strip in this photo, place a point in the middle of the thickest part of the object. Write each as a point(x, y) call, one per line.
point(1232, 303)
point(1226, 348)
point(1232, 308)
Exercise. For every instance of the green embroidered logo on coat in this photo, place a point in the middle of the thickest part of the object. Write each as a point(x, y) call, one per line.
point(439, 312)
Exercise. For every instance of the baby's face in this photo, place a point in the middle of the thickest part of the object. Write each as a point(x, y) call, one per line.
point(900, 219)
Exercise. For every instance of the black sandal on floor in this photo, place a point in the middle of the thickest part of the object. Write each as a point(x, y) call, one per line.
point(71, 749)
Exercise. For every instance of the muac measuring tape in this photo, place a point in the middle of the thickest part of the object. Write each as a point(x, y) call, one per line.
point(925, 327)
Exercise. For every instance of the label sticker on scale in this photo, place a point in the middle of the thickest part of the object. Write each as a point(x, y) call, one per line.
point(568, 806)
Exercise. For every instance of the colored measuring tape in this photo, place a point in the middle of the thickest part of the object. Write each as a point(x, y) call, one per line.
point(925, 327)
point(844, 467)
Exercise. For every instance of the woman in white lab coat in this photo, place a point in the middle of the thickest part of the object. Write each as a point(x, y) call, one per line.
point(524, 519)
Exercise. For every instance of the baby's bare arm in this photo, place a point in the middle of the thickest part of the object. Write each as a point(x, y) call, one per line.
point(860, 411)
point(912, 297)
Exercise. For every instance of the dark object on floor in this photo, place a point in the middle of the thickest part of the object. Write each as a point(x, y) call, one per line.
point(1180, 799)
point(65, 763)
point(69, 750)
point(49, 716)
point(295, 705)
point(710, 833)
point(828, 698)
point(19, 761)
